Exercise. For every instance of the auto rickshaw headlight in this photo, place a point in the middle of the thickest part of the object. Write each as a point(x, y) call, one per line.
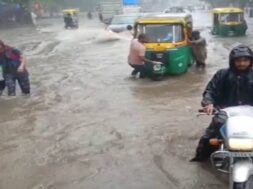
point(242, 144)
point(157, 67)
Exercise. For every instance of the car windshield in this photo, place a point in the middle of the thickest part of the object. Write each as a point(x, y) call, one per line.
point(162, 33)
point(123, 20)
point(231, 17)
point(175, 10)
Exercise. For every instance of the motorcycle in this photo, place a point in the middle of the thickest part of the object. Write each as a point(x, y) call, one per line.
point(235, 147)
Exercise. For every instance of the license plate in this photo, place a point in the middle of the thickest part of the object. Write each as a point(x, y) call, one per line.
point(159, 55)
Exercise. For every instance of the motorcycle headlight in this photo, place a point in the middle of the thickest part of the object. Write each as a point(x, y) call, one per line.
point(239, 144)
point(157, 67)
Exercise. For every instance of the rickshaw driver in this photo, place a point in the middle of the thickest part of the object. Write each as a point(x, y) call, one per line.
point(68, 20)
point(168, 37)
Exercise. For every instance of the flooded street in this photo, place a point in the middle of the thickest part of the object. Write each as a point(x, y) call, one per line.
point(88, 125)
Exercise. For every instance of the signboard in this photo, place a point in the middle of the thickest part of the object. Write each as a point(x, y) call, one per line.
point(131, 2)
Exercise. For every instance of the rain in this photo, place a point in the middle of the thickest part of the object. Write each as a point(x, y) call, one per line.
point(87, 124)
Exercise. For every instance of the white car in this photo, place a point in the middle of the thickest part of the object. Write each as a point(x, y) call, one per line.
point(176, 10)
point(120, 23)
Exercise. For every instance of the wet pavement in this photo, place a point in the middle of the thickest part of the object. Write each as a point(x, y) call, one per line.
point(89, 125)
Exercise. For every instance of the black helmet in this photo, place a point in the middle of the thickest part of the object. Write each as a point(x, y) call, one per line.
point(195, 33)
point(240, 51)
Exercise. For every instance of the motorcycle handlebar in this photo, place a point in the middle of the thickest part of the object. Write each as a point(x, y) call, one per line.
point(202, 112)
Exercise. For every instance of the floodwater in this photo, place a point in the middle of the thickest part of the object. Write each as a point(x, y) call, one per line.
point(88, 125)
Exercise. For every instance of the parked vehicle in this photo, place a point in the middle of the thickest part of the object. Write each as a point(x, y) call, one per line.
point(175, 10)
point(120, 23)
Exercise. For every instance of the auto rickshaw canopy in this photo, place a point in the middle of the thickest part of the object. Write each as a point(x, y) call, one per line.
point(227, 10)
point(71, 11)
point(181, 18)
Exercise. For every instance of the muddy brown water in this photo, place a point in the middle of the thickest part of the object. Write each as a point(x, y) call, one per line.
point(88, 125)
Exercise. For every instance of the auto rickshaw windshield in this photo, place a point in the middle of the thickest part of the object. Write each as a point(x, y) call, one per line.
point(162, 33)
point(231, 17)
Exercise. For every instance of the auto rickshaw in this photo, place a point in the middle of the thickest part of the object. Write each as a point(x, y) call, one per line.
point(168, 36)
point(229, 22)
point(71, 18)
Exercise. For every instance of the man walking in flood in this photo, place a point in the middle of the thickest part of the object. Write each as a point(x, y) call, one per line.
point(14, 70)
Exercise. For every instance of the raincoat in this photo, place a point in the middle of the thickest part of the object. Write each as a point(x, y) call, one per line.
point(227, 88)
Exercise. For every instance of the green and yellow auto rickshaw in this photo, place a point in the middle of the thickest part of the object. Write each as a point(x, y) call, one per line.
point(168, 36)
point(71, 18)
point(229, 22)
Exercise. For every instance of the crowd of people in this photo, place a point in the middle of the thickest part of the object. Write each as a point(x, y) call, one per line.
point(19, 13)
point(14, 13)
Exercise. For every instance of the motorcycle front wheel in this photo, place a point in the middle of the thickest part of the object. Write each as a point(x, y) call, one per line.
point(239, 185)
point(244, 185)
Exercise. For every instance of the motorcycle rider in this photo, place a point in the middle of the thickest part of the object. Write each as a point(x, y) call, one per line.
point(228, 87)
